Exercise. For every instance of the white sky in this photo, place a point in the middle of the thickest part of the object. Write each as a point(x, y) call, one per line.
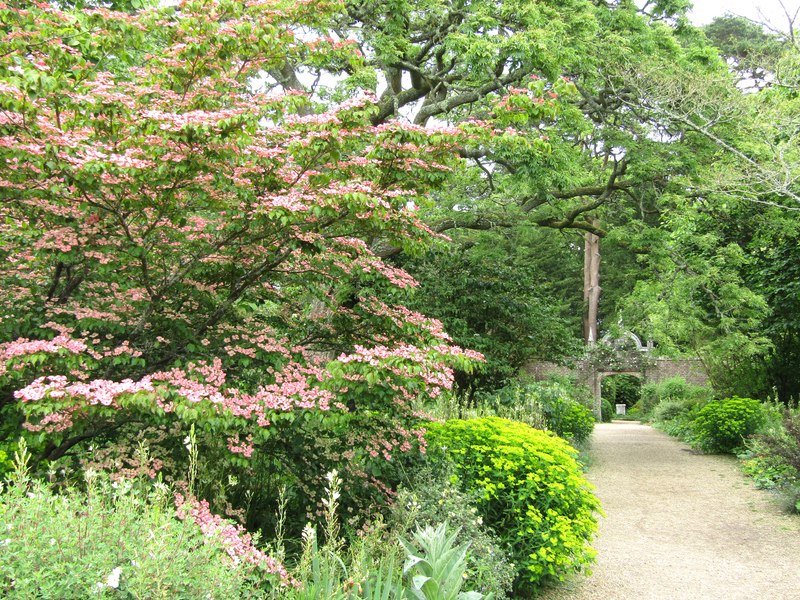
point(704, 11)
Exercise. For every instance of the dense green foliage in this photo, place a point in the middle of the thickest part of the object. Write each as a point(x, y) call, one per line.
point(607, 411)
point(723, 425)
point(115, 540)
point(531, 493)
point(66, 543)
point(676, 389)
point(490, 302)
point(437, 499)
point(622, 389)
point(563, 406)
point(223, 254)
point(773, 455)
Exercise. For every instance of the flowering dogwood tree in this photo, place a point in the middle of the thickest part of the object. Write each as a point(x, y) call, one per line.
point(183, 244)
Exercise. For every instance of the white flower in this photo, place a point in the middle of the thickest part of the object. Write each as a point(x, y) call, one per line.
point(52, 541)
point(309, 533)
point(5, 542)
point(113, 579)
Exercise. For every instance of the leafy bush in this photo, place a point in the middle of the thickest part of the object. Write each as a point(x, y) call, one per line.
point(558, 405)
point(607, 411)
point(674, 409)
point(435, 566)
point(723, 425)
point(675, 417)
point(531, 493)
point(437, 500)
point(117, 539)
point(569, 420)
point(673, 389)
point(774, 457)
point(368, 569)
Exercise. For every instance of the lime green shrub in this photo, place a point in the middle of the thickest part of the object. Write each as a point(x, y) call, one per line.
point(723, 425)
point(531, 492)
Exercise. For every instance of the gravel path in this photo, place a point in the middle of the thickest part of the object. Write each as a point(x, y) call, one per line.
point(682, 526)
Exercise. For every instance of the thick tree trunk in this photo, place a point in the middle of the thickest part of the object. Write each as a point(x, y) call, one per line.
point(591, 286)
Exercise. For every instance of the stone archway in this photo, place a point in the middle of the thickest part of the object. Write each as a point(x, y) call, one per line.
point(625, 355)
point(597, 388)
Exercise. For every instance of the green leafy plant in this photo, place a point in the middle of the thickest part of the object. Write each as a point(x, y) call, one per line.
point(115, 539)
point(435, 566)
point(531, 492)
point(723, 425)
point(607, 411)
point(773, 457)
point(569, 420)
point(434, 498)
point(675, 389)
point(557, 404)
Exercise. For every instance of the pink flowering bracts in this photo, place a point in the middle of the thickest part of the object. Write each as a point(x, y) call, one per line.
point(189, 239)
point(237, 542)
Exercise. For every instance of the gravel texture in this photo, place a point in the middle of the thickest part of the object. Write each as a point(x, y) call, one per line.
point(682, 526)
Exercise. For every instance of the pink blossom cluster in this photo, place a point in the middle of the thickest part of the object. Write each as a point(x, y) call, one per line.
point(398, 438)
point(237, 542)
point(26, 347)
point(201, 382)
point(237, 446)
point(413, 362)
point(401, 315)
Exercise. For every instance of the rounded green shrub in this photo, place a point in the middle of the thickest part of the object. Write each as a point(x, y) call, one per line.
point(557, 405)
point(529, 490)
point(569, 419)
point(606, 411)
point(669, 410)
point(723, 425)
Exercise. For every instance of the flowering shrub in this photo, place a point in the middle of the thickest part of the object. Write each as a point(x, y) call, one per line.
point(120, 538)
point(186, 243)
point(723, 425)
point(530, 491)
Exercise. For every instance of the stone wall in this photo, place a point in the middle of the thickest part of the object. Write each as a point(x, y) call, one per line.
point(690, 369)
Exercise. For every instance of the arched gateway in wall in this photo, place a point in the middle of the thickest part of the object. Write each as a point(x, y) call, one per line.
point(625, 355)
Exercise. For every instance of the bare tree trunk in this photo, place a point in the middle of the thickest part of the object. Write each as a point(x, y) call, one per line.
point(591, 286)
